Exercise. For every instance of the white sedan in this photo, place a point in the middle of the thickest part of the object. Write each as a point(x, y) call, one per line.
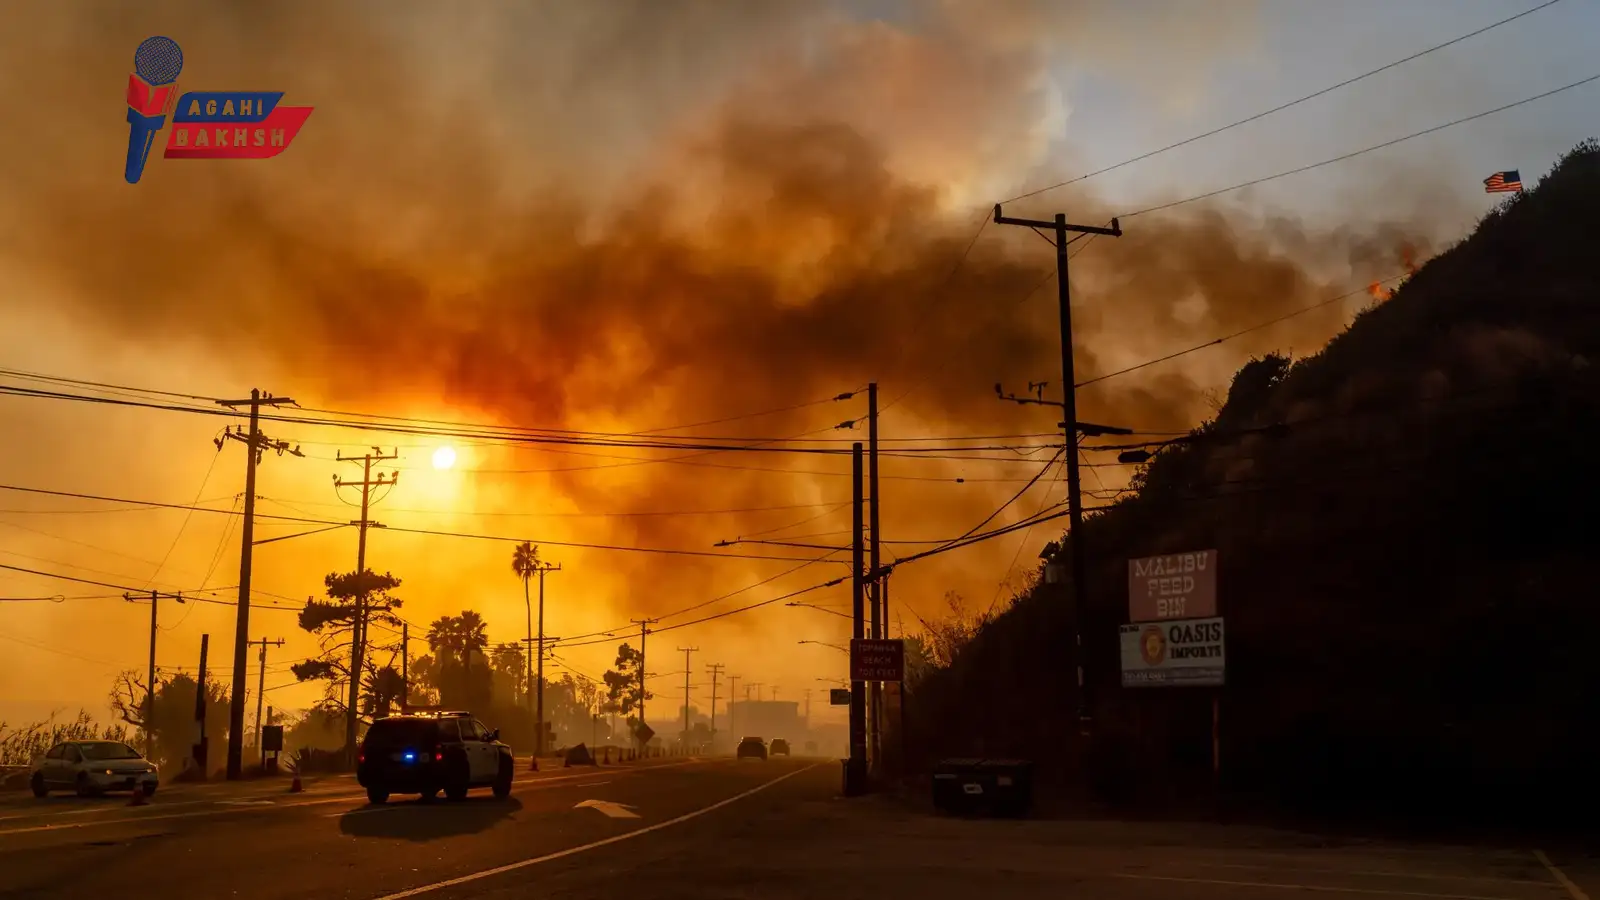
point(93, 767)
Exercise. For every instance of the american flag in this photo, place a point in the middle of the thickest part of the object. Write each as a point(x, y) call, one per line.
point(1505, 182)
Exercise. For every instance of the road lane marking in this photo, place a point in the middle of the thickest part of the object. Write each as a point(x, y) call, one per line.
point(1560, 876)
point(325, 791)
point(1289, 886)
point(334, 792)
point(592, 845)
point(235, 810)
point(611, 809)
point(1371, 873)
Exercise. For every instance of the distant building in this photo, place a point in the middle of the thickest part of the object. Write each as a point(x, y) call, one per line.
point(766, 718)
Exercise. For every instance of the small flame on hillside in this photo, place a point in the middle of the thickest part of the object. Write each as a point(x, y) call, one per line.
point(1408, 258)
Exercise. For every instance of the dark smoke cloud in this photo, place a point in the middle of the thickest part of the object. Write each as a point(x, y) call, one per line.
point(641, 213)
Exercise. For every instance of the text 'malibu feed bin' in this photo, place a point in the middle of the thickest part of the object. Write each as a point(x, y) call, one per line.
point(997, 787)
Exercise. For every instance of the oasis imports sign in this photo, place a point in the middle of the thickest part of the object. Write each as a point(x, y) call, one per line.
point(1186, 652)
point(1174, 586)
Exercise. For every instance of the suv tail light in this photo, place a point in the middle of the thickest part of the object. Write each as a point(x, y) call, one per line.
point(438, 753)
point(361, 757)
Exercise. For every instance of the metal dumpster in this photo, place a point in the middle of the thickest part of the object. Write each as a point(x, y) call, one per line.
point(996, 787)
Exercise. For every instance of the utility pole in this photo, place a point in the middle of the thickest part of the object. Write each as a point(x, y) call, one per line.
point(808, 710)
point(405, 664)
point(256, 445)
point(539, 643)
point(538, 684)
point(644, 632)
point(200, 747)
point(358, 628)
point(715, 670)
point(261, 691)
point(756, 686)
point(733, 684)
point(874, 576)
point(856, 769)
point(150, 674)
point(1070, 426)
point(686, 651)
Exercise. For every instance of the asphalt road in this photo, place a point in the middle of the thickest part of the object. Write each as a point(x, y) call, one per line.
point(705, 829)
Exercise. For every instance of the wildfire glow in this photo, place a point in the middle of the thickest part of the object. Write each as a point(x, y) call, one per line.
point(444, 457)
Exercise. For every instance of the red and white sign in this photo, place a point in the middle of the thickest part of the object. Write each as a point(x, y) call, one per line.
point(877, 660)
point(1174, 586)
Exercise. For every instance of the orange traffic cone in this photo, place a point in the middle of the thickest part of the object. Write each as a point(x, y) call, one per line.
point(138, 798)
point(294, 786)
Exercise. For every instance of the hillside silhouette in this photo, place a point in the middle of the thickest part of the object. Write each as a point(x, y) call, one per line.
point(1405, 531)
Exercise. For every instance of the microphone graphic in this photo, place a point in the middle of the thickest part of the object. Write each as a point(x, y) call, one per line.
point(151, 92)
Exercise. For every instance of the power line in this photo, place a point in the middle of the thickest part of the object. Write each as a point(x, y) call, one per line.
point(1014, 498)
point(184, 525)
point(129, 389)
point(1017, 554)
point(974, 539)
point(1280, 108)
point(670, 551)
point(40, 376)
point(578, 515)
point(49, 649)
point(1364, 150)
point(90, 581)
point(1236, 124)
point(1244, 331)
point(746, 445)
point(610, 632)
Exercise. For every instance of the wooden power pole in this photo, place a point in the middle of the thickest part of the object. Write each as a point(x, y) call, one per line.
point(261, 692)
point(856, 768)
point(686, 671)
point(150, 685)
point(358, 628)
point(256, 445)
point(644, 632)
point(715, 670)
point(1070, 425)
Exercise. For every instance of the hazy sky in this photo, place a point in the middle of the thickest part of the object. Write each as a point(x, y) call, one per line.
point(642, 214)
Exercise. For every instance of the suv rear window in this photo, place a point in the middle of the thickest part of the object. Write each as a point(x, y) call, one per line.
point(401, 733)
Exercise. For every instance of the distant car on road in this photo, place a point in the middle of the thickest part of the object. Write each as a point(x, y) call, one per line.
point(811, 748)
point(780, 747)
point(428, 752)
point(752, 748)
point(93, 767)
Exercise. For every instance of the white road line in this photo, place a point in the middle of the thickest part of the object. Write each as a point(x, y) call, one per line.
point(325, 791)
point(511, 867)
point(235, 810)
point(1289, 886)
point(1572, 889)
point(1371, 873)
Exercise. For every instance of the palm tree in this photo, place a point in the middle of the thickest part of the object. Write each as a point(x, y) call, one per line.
point(459, 637)
point(524, 564)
